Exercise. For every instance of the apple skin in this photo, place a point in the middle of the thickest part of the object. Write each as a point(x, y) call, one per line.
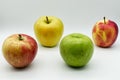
point(48, 30)
point(76, 49)
point(19, 50)
point(105, 33)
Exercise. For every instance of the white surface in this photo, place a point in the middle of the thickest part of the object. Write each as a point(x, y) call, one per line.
point(18, 16)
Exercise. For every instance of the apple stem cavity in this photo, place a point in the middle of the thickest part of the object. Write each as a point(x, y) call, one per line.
point(104, 20)
point(47, 20)
point(20, 37)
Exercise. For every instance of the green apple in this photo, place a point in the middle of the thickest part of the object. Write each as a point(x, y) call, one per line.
point(76, 49)
point(48, 30)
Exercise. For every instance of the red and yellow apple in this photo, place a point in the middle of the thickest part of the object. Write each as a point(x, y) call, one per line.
point(19, 50)
point(48, 30)
point(105, 33)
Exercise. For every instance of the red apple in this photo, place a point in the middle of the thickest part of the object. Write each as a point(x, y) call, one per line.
point(19, 50)
point(105, 33)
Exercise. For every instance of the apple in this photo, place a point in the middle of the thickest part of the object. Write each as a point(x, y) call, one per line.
point(105, 33)
point(19, 50)
point(76, 49)
point(48, 30)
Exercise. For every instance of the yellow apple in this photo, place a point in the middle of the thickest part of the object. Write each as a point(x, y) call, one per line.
point(48, 30)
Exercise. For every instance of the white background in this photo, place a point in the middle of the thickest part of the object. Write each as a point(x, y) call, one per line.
point(19, 16)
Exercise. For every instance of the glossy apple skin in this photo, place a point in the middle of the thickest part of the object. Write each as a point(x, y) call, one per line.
point(19, 53)
point(48, 34)
point(105, 33)
point(76, 49)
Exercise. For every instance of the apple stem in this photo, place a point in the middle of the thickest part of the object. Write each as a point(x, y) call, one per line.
point(47, 20)
point(20, 37)
point(104, 20)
